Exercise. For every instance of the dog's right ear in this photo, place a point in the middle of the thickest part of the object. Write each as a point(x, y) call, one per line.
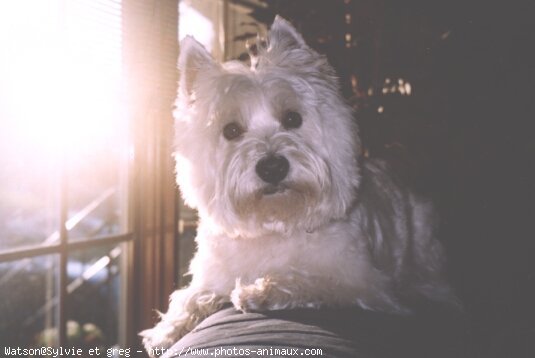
point(193, 59)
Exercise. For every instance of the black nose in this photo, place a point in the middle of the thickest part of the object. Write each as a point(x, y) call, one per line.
point(272, 169)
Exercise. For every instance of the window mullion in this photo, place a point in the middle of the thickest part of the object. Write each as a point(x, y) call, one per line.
point(63, 254)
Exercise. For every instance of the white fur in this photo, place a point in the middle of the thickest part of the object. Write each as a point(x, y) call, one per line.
point(338, 232)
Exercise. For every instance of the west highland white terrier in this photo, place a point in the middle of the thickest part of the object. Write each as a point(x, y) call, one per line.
point(291, 214)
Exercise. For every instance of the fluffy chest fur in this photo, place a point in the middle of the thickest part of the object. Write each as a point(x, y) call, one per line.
point(379, 255)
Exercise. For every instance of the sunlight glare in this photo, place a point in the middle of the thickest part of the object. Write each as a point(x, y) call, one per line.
point(57, 96)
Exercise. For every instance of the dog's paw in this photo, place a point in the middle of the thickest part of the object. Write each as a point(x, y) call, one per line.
point(156, 340)
point(264, 294)
point(166, 333)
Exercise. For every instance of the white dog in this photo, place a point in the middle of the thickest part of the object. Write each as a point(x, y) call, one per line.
point(291, 215)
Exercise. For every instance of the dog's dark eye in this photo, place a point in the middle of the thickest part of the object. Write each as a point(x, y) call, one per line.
point(232, 131)
point(291, 120)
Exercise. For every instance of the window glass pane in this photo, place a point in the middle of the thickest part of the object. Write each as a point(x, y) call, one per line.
point(95, 296)
point(97, 158)
point(97, 195)
point(29, 134)
point(29, 192)
point(29, 302)
point(61, 111)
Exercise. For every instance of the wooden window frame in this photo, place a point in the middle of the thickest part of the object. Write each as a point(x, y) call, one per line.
point(151, 51)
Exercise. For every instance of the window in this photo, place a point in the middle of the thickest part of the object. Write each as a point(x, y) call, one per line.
point(86, 185)
point(65, 148)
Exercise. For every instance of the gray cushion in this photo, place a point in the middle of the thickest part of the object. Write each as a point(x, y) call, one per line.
point(336, 332)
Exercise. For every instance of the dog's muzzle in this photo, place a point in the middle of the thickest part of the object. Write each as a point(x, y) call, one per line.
point(272, 169)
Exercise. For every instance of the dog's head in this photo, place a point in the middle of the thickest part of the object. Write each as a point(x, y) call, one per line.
point(272, 148)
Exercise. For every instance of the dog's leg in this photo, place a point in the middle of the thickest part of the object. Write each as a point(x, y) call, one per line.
point(304, 291)
point(275, 293)
point(187, 308)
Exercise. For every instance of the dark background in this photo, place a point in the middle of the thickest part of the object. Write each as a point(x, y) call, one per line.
point(464, 137)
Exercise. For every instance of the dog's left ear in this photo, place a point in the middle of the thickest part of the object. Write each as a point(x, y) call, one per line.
point(286, 48)
point(193, 59)
point(284, 36)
